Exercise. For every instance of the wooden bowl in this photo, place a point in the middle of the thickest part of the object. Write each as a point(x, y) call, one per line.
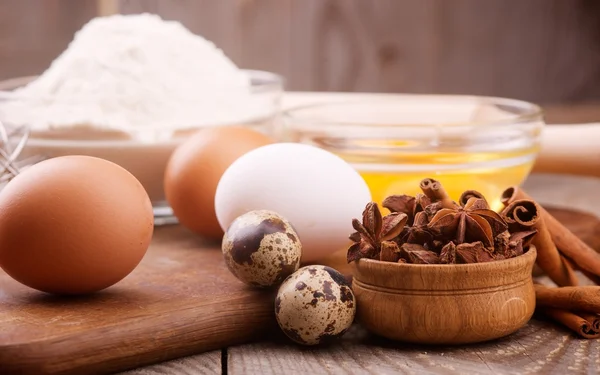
point(445, 304)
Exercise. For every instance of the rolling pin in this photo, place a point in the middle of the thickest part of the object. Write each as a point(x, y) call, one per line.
point(570, 149)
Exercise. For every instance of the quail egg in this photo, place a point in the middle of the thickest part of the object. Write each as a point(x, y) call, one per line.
point(315, 305)
point(261, 248)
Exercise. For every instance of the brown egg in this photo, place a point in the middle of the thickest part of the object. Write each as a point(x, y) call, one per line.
point(194, 171)
point(73, 225)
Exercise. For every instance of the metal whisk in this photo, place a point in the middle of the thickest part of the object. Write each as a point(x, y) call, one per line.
point(12, 142)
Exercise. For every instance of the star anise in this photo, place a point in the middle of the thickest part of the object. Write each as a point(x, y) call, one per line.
point(433, 209)
point(389, 252)
point(436, 245)
point(508, 244)
point(519, 241)
point(466, 253)
point(430, 228)
point(448, 253)
point(400, 203)
point(417, 254)
point(525, 237)
point(406, 204)
point(374, 231)
point(473, 253)
point(418, 232)
point(501, 242)
point(471, 223)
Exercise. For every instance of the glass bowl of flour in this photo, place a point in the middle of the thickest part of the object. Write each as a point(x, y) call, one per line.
point(140, 140)
point(130, 89)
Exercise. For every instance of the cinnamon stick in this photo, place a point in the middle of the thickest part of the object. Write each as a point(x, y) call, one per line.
point(466, 195)
point(567, 243)
point(579, 324)
point(573, 298)
point(434, 190)
point(594, 320)
point(524, 214)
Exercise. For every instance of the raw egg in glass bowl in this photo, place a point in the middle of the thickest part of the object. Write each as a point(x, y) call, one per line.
point(396, 140)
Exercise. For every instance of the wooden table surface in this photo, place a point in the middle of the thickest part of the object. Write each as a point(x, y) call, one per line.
point(538, 348)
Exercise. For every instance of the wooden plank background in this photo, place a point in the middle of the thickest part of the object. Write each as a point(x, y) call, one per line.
point(542, 50)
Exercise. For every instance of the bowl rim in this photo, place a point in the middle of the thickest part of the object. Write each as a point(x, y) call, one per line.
point(261, 80)
point(530, 253)
point(294, 118)
point(396, 277)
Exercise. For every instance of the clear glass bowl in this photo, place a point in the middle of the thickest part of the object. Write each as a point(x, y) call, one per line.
point(395, 140)
point(145, 151)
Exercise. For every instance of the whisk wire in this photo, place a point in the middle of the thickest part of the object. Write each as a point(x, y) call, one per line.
point(9, 151)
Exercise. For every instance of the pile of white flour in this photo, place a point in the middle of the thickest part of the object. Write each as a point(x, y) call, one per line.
point(124, 72)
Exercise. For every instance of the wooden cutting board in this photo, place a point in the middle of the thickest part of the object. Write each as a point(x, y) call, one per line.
point(181, 300)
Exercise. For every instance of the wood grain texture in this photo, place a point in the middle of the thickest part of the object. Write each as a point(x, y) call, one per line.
point(583, 224)
point(214, 20)
point(565, 191)
point(382, 46)
point(479, 301)
point(33, 33)
point(107, 7)
point(513, 50)
point(265, 28)
point(538, 348)
point(579, 113)
point(466, 46)
point(547, 51)
point(254, 34)
point(181, 300)
point(202, 364)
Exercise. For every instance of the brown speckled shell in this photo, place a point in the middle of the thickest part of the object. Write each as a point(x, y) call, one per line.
point(315, 305)
point(261, 248)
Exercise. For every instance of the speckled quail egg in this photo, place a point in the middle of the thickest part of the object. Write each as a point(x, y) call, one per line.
point(315, 305)
point(261, 248)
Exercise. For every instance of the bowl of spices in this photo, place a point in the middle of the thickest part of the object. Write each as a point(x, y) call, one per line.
point(396, 140)
point(130, 89)
point(436, 271)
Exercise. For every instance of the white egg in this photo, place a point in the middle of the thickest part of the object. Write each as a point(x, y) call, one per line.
point(316, 191)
